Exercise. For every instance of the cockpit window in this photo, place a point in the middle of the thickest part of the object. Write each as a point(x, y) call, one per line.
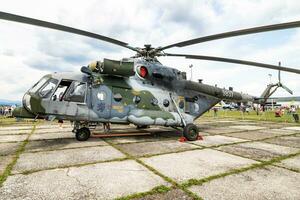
point(39, 84)
point(61, 90)
point(76, 92)
point(48, 89)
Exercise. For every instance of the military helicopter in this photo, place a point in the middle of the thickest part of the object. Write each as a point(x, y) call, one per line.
point(138, 90)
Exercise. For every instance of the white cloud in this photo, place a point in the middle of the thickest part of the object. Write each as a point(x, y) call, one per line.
point(26, 52)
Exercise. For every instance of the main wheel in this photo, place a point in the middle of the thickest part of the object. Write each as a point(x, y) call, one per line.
point(83, 134)
point(190, 132)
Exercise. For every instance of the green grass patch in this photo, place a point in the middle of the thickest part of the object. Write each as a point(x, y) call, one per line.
point(7, 121)
point(167, 179)
point(20, 150)
point(266, 116)
point(263, 164)
point(157, 190)
point(74, 165)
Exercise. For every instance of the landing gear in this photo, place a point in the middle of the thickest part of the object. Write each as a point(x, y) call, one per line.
point(190, 132)
point(83, 134)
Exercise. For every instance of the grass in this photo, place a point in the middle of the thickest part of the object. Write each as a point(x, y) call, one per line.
point(7, 120)
point(157, 190)
point(20, 150)
point(263, 164)
point(72, 165)
point(266, 116)
point(167, 179)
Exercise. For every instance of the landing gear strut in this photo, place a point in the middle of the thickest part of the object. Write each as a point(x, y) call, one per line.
point(191, 132)
point(83, 134)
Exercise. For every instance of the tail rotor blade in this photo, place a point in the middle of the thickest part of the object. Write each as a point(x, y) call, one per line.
point(287, 89)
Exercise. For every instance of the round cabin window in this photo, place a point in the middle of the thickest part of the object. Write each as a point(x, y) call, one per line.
point(166, 103)
point(154, 102)
point(118, 97)
point(136, 99)
point(196, 107)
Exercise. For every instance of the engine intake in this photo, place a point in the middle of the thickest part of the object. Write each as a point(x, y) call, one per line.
point(113, 67)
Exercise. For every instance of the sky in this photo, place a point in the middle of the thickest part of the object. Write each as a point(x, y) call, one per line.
point(27, 53)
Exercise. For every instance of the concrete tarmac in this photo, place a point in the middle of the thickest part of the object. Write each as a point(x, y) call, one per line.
point(236, 160)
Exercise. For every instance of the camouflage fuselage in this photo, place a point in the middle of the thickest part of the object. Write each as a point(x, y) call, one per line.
point(162, 97)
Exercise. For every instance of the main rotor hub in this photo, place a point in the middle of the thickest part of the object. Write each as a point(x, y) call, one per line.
point(148, 52)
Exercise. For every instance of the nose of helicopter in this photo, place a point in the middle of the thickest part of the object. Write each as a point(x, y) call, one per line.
point(21, 112)
point(25, 110)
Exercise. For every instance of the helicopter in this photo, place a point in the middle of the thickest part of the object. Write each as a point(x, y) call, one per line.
point(137, 90)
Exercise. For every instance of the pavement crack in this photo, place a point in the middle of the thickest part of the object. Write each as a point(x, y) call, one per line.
point(87, 192)
point(75, 178)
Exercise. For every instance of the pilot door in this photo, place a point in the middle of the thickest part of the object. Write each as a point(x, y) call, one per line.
point(101, 101)
point(68, 99)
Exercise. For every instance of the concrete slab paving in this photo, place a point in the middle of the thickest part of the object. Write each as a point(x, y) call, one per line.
point(258, 150)
point(266, 183)
point(253, 135)
point(8, 148)
point(196, 164)
point(214, 140)
point(170, 195)
point(291, 163)
point(12, 138)
point(55, 144)
point(133, 139)
point(52, 126)
point(97, 181)
point(15, 132)
point(158, 147)
point(273, 125)
point(220, 130)
point(293, 128)
point(61, 158)
point(278, 131)
point(289, 141)
point(16, 127)
point(247, 127)
point(245, 123)
point(48, 136)
point(120, 131)
point(4, 161)
point(53, 130)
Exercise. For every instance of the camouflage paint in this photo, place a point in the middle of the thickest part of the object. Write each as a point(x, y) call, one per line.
point(122, 85)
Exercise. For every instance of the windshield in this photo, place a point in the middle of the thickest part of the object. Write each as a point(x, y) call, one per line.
point(49, 87)
point(38, 85)
point(77, 92)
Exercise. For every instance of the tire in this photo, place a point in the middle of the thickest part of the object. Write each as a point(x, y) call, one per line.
point(83, 134)
point(190, 132)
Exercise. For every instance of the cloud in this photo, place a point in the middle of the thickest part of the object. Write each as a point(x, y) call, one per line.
point(36, 51)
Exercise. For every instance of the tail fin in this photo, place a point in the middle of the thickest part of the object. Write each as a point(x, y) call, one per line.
point(271, 88)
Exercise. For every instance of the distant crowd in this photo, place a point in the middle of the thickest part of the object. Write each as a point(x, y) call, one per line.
point(6, 110)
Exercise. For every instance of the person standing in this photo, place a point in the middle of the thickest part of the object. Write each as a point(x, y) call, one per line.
point(106, 126)
point(294, 113)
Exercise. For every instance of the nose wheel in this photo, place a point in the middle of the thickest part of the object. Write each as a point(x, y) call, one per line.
point(83, 134)
point(191, 132)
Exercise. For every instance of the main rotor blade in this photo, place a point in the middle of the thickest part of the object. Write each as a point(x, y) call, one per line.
point(229, 60)
point(259, 29)
point(36, 22)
